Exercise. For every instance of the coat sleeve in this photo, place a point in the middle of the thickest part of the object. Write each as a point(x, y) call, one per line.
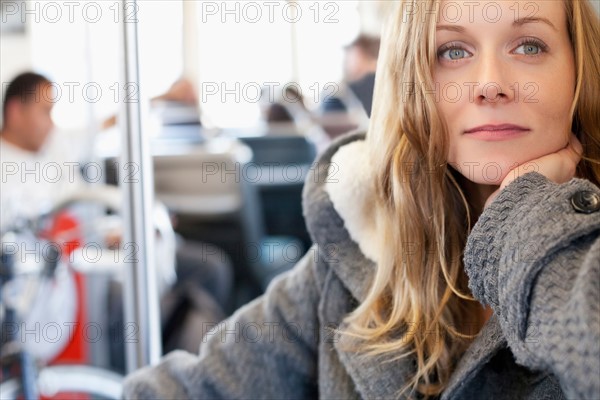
point(536, 261)
point(267, 349)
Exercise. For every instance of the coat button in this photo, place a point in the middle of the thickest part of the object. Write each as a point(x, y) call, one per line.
point(585, 202)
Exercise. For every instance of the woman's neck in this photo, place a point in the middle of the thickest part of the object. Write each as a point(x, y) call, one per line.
point(476, 195)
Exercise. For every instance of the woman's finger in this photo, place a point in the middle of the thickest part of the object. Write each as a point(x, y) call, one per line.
point(558, 167)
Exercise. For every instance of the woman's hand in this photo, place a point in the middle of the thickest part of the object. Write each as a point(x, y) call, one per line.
point(558, 167)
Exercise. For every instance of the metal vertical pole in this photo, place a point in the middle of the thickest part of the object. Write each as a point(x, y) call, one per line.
point(142, 329)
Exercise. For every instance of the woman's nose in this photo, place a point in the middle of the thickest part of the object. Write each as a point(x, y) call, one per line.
point(492, 84)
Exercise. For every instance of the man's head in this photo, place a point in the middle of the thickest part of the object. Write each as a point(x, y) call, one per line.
point(28, 103)
point(361, 57)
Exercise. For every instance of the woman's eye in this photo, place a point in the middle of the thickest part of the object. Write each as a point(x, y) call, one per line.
point(528, 49)
point(454, 53)
point(531, 47)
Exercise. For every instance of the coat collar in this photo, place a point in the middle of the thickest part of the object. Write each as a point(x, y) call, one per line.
point(379, 378)
point(339, 217)
point(489, 341)
point(326, 226)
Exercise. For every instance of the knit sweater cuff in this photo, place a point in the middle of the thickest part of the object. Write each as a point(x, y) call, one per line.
point(520, 232)
point(488, 238)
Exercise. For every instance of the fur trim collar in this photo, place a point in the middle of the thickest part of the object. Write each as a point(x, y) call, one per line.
point(328, 227)
point(351, 188)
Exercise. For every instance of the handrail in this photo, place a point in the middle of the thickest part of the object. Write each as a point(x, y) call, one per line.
point(140, 289)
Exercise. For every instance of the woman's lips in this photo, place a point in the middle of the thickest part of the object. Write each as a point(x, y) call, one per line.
point(497, 132)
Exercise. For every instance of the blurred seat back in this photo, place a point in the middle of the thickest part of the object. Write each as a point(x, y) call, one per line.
point(284, 149)
point(205, 187)
point(203, 182)
point(285, 161)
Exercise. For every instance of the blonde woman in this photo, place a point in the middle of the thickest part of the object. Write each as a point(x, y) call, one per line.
point(457, 243)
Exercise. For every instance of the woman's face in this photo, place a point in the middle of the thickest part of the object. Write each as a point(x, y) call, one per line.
point(505, 72)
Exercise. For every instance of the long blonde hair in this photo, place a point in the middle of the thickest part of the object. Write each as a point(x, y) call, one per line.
point(425, 216)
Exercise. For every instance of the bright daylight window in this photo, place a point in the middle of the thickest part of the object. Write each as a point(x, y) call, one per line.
point(246, 46)
point(79, 47)
point(242, 46)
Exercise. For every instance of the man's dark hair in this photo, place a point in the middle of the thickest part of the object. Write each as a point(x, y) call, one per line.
point(368, 44)
point(22, 88)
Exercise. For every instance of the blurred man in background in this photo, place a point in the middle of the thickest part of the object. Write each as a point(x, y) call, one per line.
point(360, 65)
point(349, 108)
point(38, 170)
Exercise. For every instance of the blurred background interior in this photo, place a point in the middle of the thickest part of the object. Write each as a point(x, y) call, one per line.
point(238, 100)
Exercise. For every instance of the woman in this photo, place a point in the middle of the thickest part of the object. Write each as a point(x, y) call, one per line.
point(477, 184)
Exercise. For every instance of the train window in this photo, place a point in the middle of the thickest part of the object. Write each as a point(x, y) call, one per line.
point(267, 45)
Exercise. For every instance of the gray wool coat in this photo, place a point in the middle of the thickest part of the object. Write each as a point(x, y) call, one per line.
point(532, 256)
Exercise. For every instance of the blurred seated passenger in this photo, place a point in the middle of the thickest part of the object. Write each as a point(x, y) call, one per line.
point(38, 169)
point(39, 173)
point(285, 108)
point(360, 65)
point(178, 105)
point(181, 91)
point(287, 112)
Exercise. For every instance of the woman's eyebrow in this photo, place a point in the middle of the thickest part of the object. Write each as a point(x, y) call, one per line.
point(454, 28)
point(530, 20)
point(517, 23)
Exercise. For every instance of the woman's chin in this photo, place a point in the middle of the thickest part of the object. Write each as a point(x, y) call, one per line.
point(486, 172)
